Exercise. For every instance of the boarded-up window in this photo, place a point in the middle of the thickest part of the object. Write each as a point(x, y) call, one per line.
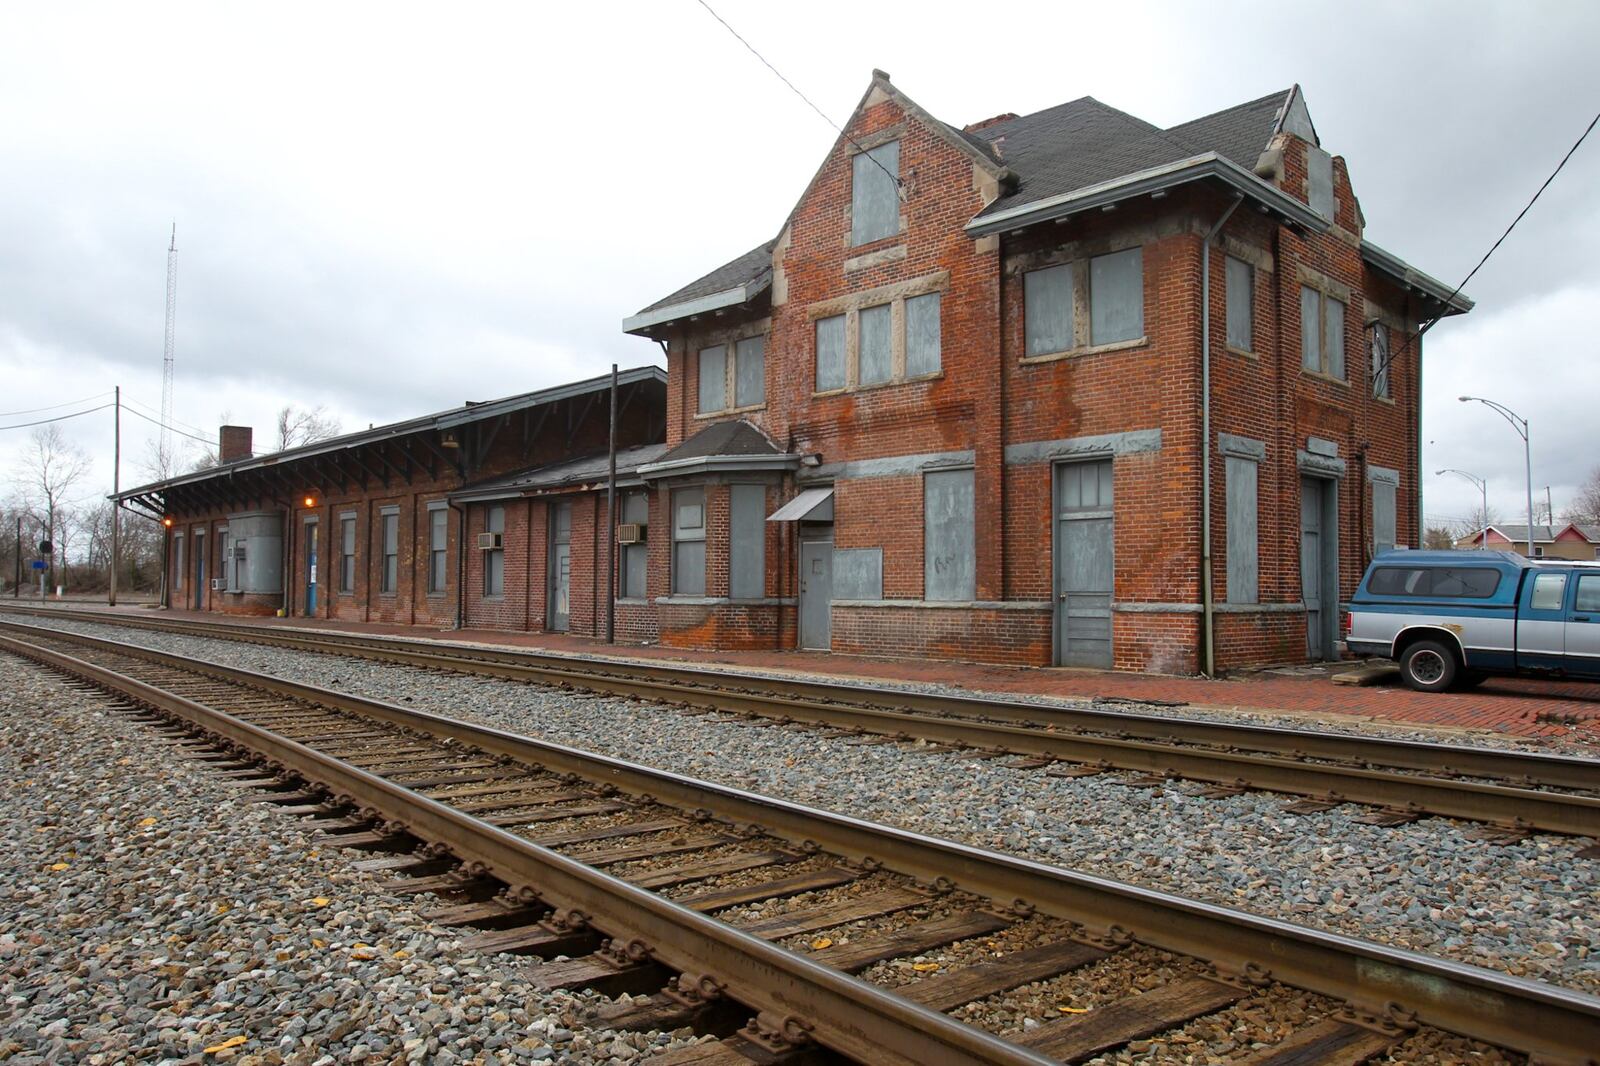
point(1310, 329)
point(1319, 179)
point(689, 542)
point(750, 371)
point(1383, 534)
point(922, 335)
point(830, 353)
point(177, 560)
point(438, 542)
point(1378, 353)
point(713, 379)
point(1243, 542)
point(858, 573)
point(874, 196)
point(1333, 337)
point(389, 577)
point(949, 568)
point(635, 558)
point(1116, 297)
point(494, 560)
point(877, 360)
point(1241, 282)
point(747, 537)
point(347, 553)
point(1047, 309)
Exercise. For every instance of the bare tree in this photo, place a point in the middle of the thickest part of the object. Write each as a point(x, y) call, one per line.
point(1585, 507)
point(50, 468)
point(297, 426)
point(1437, 538)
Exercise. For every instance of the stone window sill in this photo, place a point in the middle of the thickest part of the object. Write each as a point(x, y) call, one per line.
point(707, 416)
point(1093, 349)
point(1329, 378)
point(1244, 352)
point(876, 385)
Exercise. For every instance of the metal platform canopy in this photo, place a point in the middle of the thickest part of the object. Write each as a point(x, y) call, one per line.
point(812, 505)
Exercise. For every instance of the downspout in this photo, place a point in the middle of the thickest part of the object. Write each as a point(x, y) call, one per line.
point(1208, 618)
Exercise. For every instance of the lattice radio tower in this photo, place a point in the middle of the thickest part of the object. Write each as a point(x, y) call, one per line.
point(166, 355)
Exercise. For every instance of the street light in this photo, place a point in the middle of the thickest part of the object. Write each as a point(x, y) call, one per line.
point(1483, 487)
point(1519, 424)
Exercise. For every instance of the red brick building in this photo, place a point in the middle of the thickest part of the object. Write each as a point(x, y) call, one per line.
point(1063, 388)
point(362, 527)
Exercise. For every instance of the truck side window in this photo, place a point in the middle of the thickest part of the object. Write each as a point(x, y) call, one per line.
point(1548, 592)
point(1588, 593)
point(1452, 582)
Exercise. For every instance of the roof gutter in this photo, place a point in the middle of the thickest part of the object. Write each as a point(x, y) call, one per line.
point(1143, 183)
point(713, 464)
point(733, 297)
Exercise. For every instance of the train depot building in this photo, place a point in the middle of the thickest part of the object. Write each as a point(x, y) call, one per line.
point(1058, 389)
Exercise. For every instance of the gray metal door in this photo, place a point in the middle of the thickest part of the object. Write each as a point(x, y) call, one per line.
point(816, 594)
point(560, 567)
point(1084, 563)
point(1319, 574)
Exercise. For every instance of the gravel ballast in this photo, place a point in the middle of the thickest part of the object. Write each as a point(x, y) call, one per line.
point(1527, 908)
point(150, 911)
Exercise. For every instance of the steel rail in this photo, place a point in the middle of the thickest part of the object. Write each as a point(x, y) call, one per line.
point(847, 1015)
point(1525, 808)
point(1532, 1017)
point(704, 686)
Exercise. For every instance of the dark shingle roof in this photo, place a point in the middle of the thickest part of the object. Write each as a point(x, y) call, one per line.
point(559, 475)
point(1239, 133)
point(724, 438)
point(749, 267)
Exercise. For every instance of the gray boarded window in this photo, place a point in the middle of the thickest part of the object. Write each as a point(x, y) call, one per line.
point(858, 573)
point(747, 542)
point(390, 578)
point(494, 561)
point(1243, 541)
point(177, 560)
point(1333, 337)
point(713, 379)
point(949, 567)
point(1241, 283)
point(922, 335)
point(750, 372)
point(1319, 176)
point(874, 197)
point(877, 359)
point(1383, 535)
point(1116, 297)
point(830, 353)
point(1310, 329)
point(1047, 309)
point(635, 557)
point(1378, 351)
point(689, 542)
point(347, 553)
point(438, 541)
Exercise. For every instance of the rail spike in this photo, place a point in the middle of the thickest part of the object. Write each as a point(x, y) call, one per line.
point(694, 991)
point(776, 1034)
point(624, 955)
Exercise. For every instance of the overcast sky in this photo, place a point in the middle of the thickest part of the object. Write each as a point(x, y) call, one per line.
point(390, 209)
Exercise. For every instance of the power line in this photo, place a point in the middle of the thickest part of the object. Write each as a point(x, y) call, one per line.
point(1492, 249)
point(163, 425)
point(151, 410)
point(58, 418)
point(54, 406)
point(898, 184)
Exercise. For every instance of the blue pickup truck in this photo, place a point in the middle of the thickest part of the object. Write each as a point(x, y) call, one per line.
point(1453, 618)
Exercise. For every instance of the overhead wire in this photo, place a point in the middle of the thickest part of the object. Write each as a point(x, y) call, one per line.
point(54, 406)
point(898, 184)
point(58, 418)
point(163, 425)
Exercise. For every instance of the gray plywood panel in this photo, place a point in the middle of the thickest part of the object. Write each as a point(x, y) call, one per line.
point(858, 573)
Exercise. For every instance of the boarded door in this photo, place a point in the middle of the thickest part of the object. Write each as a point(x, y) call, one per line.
point(1083, 563)
point(560, 566)
point(1319, 572)
point(816, 594)
point(312, 544)
point(200, 570)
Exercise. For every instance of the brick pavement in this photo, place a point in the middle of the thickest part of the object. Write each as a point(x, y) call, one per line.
point(1514, 706)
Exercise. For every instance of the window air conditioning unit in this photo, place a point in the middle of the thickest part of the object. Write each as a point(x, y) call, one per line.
point(631, 532)
point(219, 584)
point(491, 541)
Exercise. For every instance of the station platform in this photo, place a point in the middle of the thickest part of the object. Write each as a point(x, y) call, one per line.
point(1513, 706)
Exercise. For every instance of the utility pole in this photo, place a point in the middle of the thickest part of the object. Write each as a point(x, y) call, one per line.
point(167, 354)
point(611, 522)
point(16, 590)
point(116, 504)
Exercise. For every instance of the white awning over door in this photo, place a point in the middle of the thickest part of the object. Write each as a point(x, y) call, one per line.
point(813, 504)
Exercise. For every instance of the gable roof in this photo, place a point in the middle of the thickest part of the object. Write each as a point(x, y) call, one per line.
point(737, 444)
point(733, 283)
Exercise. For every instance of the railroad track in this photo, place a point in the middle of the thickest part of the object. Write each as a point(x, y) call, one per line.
point(627, 878)
point(1512, 793)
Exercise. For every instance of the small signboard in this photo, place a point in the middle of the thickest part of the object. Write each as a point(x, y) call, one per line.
point(39, 564)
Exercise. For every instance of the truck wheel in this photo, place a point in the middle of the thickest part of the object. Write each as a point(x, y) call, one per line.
point(1429, 666)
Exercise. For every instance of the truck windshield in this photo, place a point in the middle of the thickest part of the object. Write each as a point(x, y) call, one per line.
point(1471, 582)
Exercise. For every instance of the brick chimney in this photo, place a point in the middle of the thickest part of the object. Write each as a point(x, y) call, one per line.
point(993, 120)
point(233, 444)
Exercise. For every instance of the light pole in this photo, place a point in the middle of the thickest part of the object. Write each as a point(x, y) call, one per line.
point(1483, 487)
point(1519, 424)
